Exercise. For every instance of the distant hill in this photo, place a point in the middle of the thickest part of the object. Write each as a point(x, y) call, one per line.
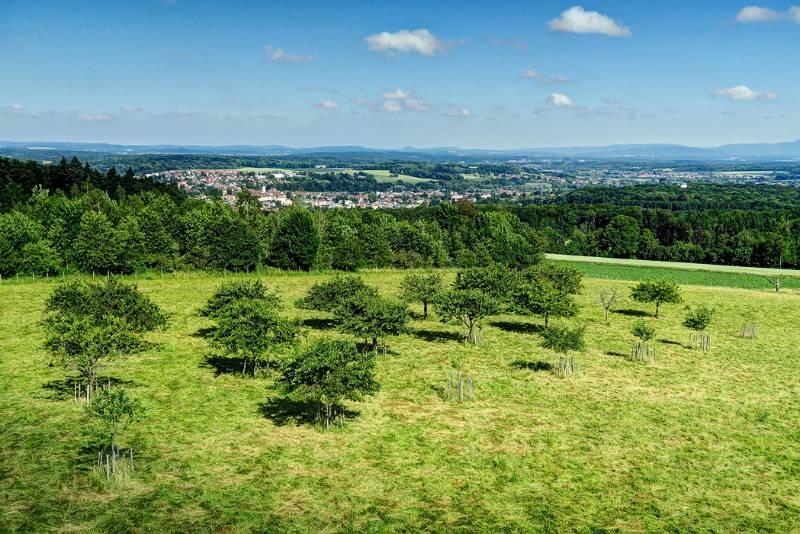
point(654, 152)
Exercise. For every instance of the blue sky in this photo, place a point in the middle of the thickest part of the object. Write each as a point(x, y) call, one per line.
point(499, 74)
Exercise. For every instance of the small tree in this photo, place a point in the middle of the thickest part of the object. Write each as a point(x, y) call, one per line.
point(645, 332)
point(565, 341)
point(230, 292)
point(608, 297)
point(327, 372)
point(253, 331)
point(422, 288)
point(495, 281)
point(467, 307)
point(114, 410)
point(657, 291)
point(87, 348)
point(329, 295)
point(538, 296)
point(366, 316)
point(102, 301)
point(296, 241)
point(699, 319)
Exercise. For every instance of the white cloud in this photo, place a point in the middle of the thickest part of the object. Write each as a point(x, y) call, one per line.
point(396, 94)
point(392, 106)
point(560, 100)
point(529, 73)
point(281, 56)
point(462, 113)
point(13, 108)
point(95, 117)
point(578, 20)
point(404, 41)
point(329, 105)
point(794, 13)
point(399, 99)
point(757, 14)
point(742, 93)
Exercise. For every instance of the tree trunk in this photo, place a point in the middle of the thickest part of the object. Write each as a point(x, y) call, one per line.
point(606, 315)
point(546, 320)
point(657, 305)
point(425, 310)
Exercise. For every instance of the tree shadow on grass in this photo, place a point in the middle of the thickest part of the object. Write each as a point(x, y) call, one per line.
point(518, 327)
point(532, 366)
point(223, 365)
point(670, 342)
point(283, 411)
point(64, 388)
point(616, 353)
point(319, 323)
point(438, 336)
point(632, 313)
point(205, 332)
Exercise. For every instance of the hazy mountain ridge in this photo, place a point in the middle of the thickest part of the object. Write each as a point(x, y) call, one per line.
point(785, 150)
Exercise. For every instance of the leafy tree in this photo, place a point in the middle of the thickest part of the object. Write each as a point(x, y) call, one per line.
point(620, 238)
point(17, 231)
point(538, 296)
point(39, 257)
point(97, 246)
point(367, 316)
point(229, 292)
point(114, 409)
point(496, 281)
point(608, 297)
point(85, 347)
point(643, 330)
point(562, 278)
point(296, 241)
point(328, 296)
point(104, 301)
point(467, 307)
point(253, 331)
point(327, 372)
point(660, 292)
point(565, 340)
point(422, 288)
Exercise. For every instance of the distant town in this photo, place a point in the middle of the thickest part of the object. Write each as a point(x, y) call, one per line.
point(380, 188)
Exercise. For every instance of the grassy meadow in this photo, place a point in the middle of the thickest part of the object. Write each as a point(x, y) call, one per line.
point(697, 441)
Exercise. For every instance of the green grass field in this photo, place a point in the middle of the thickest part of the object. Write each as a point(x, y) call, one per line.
point(694, 442)
point(682, 273)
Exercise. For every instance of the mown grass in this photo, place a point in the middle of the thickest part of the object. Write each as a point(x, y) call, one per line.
point(609, 271)
point(695, 442)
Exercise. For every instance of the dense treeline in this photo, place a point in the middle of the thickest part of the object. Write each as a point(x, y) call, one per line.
point(19, 178)
point(89, 230)
point(75, 218)
point(693, 198)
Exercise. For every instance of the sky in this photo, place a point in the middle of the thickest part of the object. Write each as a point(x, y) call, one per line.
point(490, 74)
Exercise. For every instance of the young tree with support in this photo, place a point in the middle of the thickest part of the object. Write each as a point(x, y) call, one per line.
point(369, 317)
point(644, 332)
point(565, 341)
point(467, 307)
point(253, 331)
point(699, 319)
